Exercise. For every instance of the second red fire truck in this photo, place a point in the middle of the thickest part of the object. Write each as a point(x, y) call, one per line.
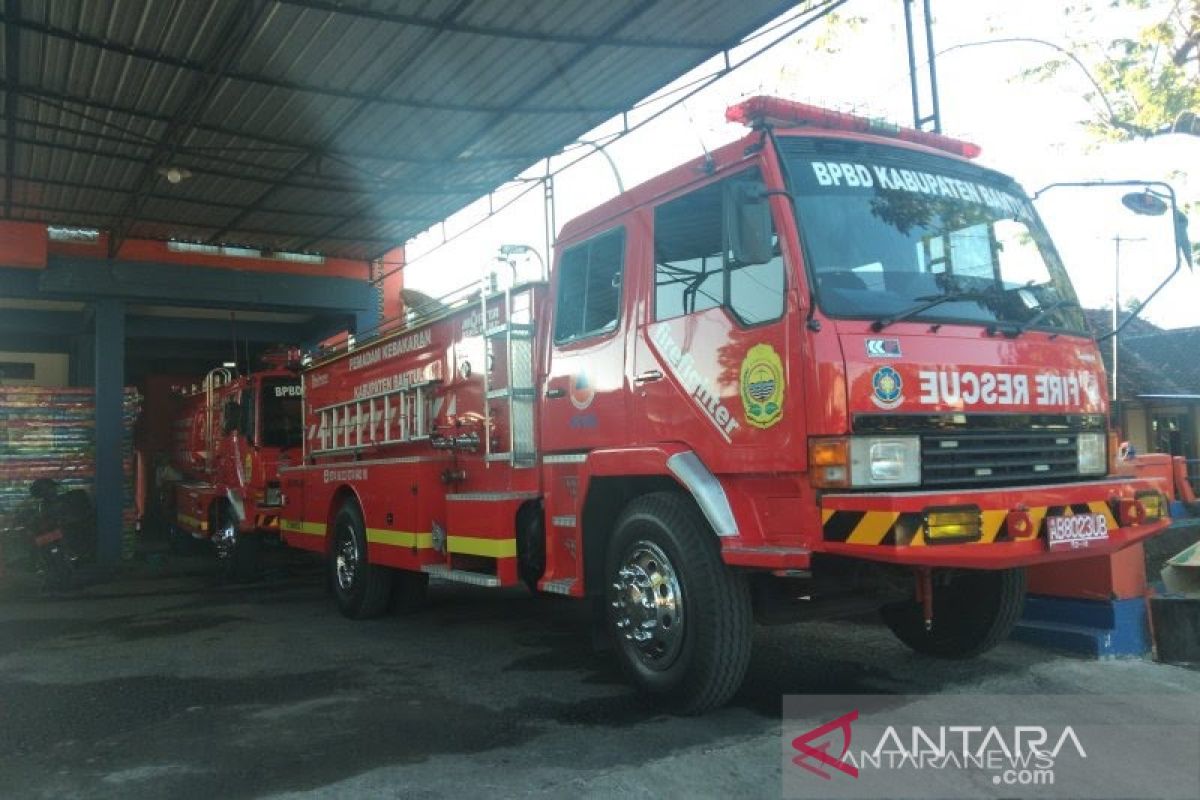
point(834, 365)
point(231, 434)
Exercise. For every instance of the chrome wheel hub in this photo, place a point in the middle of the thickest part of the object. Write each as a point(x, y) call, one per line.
point(346, 561)
point(224, 537)
point(647, 605)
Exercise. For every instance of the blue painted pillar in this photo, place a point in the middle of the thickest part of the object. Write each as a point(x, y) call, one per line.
point(110, 384)
point(366, 321)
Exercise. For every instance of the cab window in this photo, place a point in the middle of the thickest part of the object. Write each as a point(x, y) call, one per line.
point(589, 287)
point(694, 267)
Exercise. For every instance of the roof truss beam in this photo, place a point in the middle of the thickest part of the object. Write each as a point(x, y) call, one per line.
point(156, 57)
point(495, 119)
point(346, 122)
point(41, 94)
point(238, 30)
point(497, 32)
point(12, 66)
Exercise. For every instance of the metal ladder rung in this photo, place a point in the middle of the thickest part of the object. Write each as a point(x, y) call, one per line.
point(356, 424)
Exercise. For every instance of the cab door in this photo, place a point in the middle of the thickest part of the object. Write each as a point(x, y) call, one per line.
point(711, 359)
point(585, 395)
point(584, 402)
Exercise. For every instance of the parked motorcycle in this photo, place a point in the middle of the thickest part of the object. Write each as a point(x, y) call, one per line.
point(58, 530)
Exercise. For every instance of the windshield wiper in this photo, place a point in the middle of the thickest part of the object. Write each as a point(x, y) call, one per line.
point(1019, 328)
point(930, 302)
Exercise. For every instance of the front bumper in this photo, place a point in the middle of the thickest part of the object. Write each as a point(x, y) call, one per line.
point(891, 527)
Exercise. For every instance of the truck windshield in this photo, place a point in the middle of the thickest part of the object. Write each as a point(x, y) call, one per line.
point(890, 233)
point(281, 412)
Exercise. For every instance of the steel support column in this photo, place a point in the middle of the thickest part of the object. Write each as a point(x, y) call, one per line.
point(110, 386)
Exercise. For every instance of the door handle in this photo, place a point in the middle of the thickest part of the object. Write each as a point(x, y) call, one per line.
point(554, 394)
point(648, 376)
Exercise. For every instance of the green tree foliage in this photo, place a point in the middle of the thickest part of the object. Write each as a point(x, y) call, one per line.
point(1142, 83)
point(1153, 78)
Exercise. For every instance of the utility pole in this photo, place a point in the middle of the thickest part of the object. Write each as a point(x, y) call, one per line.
point(1116, 312)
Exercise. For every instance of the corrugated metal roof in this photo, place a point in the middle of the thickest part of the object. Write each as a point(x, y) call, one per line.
point(339, 127)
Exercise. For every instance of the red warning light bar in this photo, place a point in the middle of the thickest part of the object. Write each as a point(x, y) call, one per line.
point(774, 111)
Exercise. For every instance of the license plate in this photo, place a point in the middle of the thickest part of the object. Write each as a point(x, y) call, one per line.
point(1076, 533)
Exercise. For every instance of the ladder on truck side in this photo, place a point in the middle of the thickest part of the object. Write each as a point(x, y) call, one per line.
point(485, 518)
point(513, 382)
point(396, 416)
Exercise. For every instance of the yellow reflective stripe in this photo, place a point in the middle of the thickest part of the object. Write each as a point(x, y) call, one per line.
point(474, 546)
point(1101, 507)
point(992, 520)
point(826, 513)
point(399, 538)
point(296, 526)
point(192, 522)
point(873, 527)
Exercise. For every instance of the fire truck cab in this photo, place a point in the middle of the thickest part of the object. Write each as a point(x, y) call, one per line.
point(231, 434)
point(833, 366)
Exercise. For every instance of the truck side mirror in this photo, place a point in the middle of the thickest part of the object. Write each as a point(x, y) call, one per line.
point(748, 222)
point(1150, 204)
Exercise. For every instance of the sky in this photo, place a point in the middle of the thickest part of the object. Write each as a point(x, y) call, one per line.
point(1030, 130)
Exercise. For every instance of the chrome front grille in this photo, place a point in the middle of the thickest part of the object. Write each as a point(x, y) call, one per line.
point(977, 458)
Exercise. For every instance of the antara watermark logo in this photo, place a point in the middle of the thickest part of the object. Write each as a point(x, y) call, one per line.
point(1017, 755)
point(965, 746)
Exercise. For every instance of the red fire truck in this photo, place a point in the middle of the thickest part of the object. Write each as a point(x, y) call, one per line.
point(832, 366)
point(231, 434)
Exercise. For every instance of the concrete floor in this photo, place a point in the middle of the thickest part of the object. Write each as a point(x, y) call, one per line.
point(181, 687)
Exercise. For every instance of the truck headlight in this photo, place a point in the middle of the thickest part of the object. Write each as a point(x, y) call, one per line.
point(1093, 456)
point(885, 460)
point(865, 461)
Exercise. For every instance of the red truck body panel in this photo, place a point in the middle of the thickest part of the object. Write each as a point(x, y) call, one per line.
point(241, 469)
point(700, 401)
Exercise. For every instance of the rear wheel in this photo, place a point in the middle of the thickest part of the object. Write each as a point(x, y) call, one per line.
point(362, 589)
point(681, 619)
point(973, 611)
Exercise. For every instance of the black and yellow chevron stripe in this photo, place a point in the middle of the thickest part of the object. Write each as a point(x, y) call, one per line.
point(905, 528)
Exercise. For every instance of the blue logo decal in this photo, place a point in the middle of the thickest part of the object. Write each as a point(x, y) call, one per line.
point(889, 388)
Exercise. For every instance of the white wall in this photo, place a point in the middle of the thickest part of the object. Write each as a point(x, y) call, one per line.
point(49, 369)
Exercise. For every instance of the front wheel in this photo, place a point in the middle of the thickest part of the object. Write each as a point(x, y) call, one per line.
point(238, 551)
point(362, 589)
point(973, 611)
point(681, 618)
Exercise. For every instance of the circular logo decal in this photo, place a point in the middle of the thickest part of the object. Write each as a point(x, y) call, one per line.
point(762, 386)
point(888, 388)
point(581, 392)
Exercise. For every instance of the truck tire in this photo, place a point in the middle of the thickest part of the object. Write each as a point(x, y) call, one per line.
point(688, 644)
point(973, 611)
point(531, 545)
point(362, 589)
point(237, 550)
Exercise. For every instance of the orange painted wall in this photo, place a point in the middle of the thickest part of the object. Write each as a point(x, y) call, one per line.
point(22, 244)
point(153, 250)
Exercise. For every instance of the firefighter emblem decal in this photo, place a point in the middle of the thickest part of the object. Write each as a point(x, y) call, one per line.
point(762, 386)
point(582, 392)
point(888, 388)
